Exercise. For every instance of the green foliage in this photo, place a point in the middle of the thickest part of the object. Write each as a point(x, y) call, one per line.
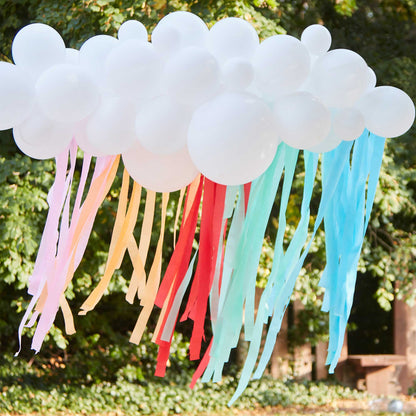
point(25, 390)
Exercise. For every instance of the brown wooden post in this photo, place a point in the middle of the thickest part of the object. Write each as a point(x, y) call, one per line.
point(405, 342)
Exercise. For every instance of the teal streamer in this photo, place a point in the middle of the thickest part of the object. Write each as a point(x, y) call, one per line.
point(280, 296)
point(243, 278)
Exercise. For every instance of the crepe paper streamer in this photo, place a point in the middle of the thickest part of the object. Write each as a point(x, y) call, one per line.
point(210, 233)
point(123, 229)
point(138, 255)
point(177, 269)
point(281, 260)
point(178, 213)
point(48, 242)
point(243, 278)
point(349, 219)
point(147, 299)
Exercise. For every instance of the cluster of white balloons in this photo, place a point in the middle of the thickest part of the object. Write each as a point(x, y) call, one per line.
point(192, 100)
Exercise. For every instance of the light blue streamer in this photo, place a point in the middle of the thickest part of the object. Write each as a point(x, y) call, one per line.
point(345, 226)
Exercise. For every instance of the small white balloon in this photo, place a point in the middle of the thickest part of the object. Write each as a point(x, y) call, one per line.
point(179, 30)
point(160, 173)
point(72, 56)
point(340, 78)
point(282, 64)
point(93, 54)
point(110, 129)
point(232, 38)
point(388, 111)
point(41, 138)
point(132, 29)
point(329, 143)
point(36, 47)
point(237, 74)
point(81, 137)
point(162, 125)
point(303, 121)
point(17, 95)
point(67, 93)
point(192, 76)
point(232, 139)
point(317, 39)
point(348, 124)
point(133, 69)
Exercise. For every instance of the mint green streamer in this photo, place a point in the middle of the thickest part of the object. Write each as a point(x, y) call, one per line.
point(243, 279)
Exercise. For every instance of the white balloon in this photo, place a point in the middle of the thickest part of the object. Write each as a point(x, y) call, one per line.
point(191, 76)
point(72, 56)
point(303, 121)
point(133, 69)
point(16, 95)
point(132, 29)
point(348, 124)
point(282, 64)
point(160, 173)
point(232, 139)
point(41, 138)
point(36, 47)
point(387, 111)
point(317, 39)
point(110, 129)
point(83, 142)
point(179, 30)
point(232, 38)
point(372, 79)
point(329, 143)
point(237, 74)
point(339, 78)
point(162, 125)
point(66, 93)
point(93, 54)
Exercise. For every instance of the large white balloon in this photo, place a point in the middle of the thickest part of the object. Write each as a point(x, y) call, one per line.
point(110, 129)
point(41, 138)
point(339, 78)
point(317, 39)
point(348, 124)
point(93, 54)
point(162, 125)
point(387, 111)
point(16, 95)
point(133, 69)
point(179, 30)
point(237, 74)
point(132, 29)
point(72, 56)
point(232, 38)
point(67, 93)
point(232, 139)
point(191, 76)
point(282, 64)
point(160, 173)
point(36, 47)
point(303, 121)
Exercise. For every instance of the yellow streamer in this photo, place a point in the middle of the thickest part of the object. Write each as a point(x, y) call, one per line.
point(138, 257)
point(150, 291)
point(118, 253)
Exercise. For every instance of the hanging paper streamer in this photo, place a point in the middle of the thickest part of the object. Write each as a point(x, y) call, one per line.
point(346, 222)
point(222, 123)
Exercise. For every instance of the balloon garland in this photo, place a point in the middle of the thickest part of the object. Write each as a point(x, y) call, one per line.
point(221, 117)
